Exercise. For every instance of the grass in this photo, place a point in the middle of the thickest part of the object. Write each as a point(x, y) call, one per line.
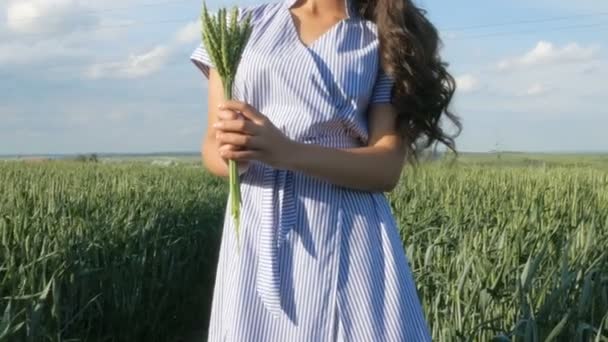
point(512, 251)
point(126, 252)
point(106, 252)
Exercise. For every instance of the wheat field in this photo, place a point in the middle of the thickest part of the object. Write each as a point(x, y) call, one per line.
point(126, 252)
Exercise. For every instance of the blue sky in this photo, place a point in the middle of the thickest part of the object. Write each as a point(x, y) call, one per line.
point(114, 76)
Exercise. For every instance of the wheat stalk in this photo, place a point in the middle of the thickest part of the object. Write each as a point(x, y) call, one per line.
point(225, 39)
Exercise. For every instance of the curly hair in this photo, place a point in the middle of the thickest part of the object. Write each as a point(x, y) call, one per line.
point(423, 89)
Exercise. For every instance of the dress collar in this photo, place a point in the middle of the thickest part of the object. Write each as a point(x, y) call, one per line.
point(351, 10)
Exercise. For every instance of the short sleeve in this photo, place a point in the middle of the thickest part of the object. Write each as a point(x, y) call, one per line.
point(201, 58)
point(383, 87)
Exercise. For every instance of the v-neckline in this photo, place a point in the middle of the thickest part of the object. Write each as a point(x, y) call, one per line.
point(316, 41)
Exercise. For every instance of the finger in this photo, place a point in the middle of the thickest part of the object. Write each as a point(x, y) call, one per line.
point(240, 140)
point(242, 155)
point(229, 147)
point(240, 126)
point(246, 109)
point(228, 115)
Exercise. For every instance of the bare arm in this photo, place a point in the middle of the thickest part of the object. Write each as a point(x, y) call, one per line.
point(376, 167)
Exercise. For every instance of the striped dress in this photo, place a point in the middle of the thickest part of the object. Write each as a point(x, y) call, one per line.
point(318, 262)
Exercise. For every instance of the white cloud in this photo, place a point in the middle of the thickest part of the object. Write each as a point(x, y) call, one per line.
point(47, 34)
point(58, 33)
point(147, 63)
point(43, 53)
point(466, 83)
point(536, 89)
point(135, 66)
point(47, 17)
point(189, 33)
point(549, 81)
point(19, 16)
point(547, 53)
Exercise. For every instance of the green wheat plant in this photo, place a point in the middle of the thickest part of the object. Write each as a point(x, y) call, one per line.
point(225, 39)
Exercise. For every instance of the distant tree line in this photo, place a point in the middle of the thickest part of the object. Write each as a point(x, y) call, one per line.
point(91, 158)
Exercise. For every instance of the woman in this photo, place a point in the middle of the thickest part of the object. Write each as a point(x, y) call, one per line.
point(330, 98)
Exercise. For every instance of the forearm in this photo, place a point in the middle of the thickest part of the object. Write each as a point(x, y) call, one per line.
point(212, 161)
point(216, 164)
point(367, 168)
point(375, 167)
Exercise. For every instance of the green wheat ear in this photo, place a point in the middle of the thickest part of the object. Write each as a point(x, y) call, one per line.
point(225, 39)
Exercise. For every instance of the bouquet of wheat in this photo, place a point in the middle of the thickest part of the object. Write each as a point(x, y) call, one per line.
point(225, 37)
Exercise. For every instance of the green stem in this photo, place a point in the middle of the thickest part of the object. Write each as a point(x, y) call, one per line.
point(233, 175)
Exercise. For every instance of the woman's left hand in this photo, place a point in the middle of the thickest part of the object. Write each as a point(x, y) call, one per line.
point(256, 136)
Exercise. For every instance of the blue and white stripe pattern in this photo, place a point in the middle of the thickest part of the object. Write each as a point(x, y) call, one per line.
point(319, 262)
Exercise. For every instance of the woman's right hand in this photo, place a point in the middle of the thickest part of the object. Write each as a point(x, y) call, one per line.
point(231, 115)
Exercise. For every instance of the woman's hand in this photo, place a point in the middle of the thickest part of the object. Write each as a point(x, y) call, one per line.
point(253, 138)
point(228, 115)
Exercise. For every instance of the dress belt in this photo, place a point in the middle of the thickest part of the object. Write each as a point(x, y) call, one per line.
point(275, 224)
point(278, 192)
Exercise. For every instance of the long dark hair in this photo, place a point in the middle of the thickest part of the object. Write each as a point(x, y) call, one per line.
point(409, 52)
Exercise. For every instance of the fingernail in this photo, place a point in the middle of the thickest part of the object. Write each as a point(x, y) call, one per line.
point(217, 124)
point(220, 106)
